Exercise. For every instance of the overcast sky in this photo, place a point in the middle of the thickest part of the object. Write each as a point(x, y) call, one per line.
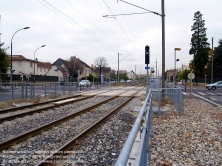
point(77, 27)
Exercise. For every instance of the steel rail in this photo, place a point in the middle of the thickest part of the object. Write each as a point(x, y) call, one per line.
point(49, 160)
point(37, 130)
point(34, 105)
point(40, 109)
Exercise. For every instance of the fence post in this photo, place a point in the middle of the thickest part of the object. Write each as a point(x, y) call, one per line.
point(33, 90)
point(23, 91)
point(159, 101)
point(26, 90)
point(180, 101)
point(69, 90)
point(63, 88)
point(45, 89)
point(13, 91)
point(55, 89)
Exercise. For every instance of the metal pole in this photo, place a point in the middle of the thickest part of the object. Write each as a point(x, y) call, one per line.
point(118, 71)
point(156, 67)
point(212, 64)
point(191, 82)
point(135, 72)
point(175, 67)
point(147, 79)
point(11, 52)
point(11, 65)
point(35, 60)
point(163, 45)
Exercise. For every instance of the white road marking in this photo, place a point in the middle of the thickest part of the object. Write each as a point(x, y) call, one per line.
point(208, 100)
point(203, 94)
point(211, 93)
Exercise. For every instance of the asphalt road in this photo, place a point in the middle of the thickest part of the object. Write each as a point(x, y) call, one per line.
point(211, 96)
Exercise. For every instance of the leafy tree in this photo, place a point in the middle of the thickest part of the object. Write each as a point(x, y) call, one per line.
point(123, 76)
point(185, 74)
point(75, 65)
point(4, 61)
point(199, 45)
point(217, 62)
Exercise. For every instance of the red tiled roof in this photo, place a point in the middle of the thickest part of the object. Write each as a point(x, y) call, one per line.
point(44, 64)
point(19, 58)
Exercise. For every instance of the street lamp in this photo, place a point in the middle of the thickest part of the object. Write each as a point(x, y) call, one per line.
point(175, 60)
point(35, 60)
point(11, 52)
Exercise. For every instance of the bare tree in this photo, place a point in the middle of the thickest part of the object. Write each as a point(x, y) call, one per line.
point(75, 65)
point(100, 61)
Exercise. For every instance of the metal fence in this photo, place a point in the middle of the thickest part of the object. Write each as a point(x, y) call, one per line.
point(146, 112)
point(31, 90)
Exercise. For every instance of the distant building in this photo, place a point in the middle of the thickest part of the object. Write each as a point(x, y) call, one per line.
point(60, 68)
point(26, 66)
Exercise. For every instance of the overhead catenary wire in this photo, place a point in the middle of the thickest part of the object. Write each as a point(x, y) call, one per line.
point(130, 30)
point(87, 32)
point(120, 25)
point(88, 20)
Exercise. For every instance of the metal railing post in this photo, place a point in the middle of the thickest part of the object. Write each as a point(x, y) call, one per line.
point(33, 90)
point(13, 95)
point(45, 89)
point(159, 101)
point(23, 91)
point(55, 90)
point(26, 90)
point(63, 89)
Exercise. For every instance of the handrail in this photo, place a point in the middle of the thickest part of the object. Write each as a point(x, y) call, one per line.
point(126, 150)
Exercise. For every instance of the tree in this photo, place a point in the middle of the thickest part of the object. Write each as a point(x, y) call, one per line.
point(199, 45)
point(74, 65)
point(217, 66)
point(100, 62)
point(4, 61)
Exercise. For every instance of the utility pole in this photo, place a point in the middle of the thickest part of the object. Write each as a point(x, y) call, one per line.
point(156, 67)
point(118, 70)
point(212, 59)
point(135, 72)
point(163, 45)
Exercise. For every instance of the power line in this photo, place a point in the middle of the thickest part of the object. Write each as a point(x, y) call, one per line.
point(130, 30)
point(89, 21)
point(119, 24)
point(125, 14)
point(81, 27)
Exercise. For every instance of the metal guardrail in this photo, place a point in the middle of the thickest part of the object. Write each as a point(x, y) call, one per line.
point(125, 153)
point(176, 95)
point(143, 152)
point(31, 90)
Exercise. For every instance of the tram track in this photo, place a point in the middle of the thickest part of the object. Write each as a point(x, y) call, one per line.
point(54, 158)
point(6, 144)
point(48, 105)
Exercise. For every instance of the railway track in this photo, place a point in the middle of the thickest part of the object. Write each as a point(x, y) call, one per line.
point(44, 128)
point(17, 112)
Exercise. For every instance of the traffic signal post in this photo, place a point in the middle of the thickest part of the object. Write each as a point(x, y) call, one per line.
point(147, 61)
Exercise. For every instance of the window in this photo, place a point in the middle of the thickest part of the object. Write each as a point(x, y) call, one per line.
point(20, 63)
point(31, 64)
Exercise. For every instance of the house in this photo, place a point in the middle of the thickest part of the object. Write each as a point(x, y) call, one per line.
point(170, 74)
point(61, 68)
point(26, 66)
